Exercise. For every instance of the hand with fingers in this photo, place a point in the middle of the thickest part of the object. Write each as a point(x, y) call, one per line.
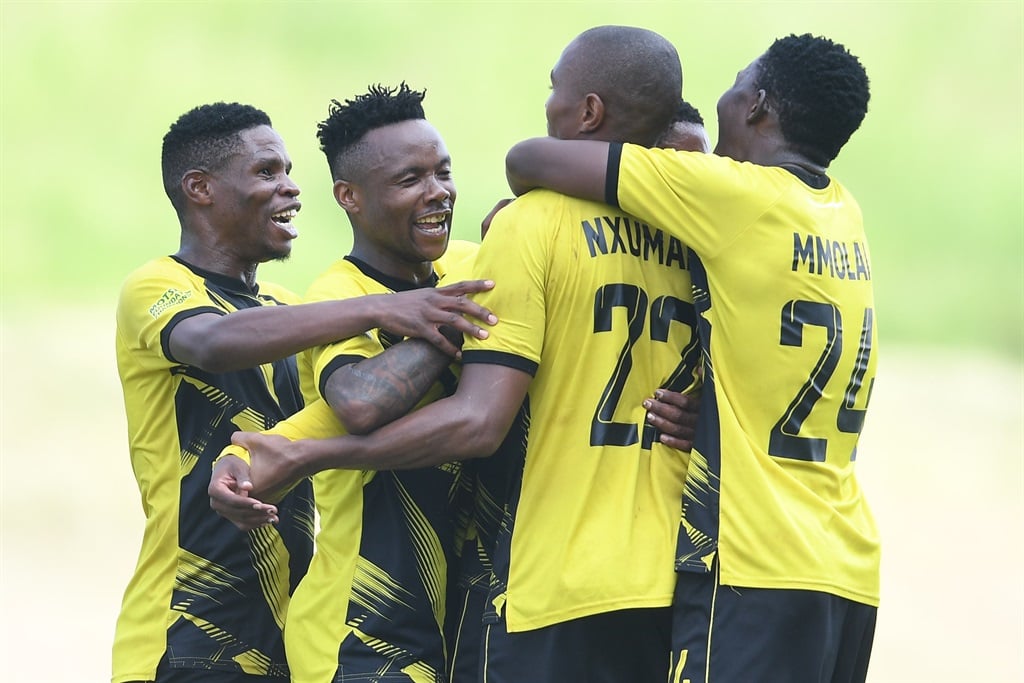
point(674, 415)
point(229, 490)
point(275, 465)
point(421, 313)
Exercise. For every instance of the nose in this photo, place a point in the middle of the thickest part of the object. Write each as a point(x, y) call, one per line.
point(437, 190)
point(289, 187)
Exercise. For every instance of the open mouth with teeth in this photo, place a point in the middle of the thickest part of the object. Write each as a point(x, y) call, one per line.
point(434, 224)
point(284, 217)
point(283, 220)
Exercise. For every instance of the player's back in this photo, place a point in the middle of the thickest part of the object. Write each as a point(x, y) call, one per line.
point(596, 305)
point(784, 291)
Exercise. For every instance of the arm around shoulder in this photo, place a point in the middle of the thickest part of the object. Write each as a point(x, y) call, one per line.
point(574, 167)
point(469, 424)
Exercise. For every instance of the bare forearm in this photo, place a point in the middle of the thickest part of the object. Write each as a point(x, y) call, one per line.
point(573, 167)
point(250, 337)
point(254, 336)
point(471, 423)
point(440, 432)
point(375, 391)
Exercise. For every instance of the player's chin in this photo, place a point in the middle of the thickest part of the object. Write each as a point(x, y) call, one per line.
point(433, 248)
point(279, 252)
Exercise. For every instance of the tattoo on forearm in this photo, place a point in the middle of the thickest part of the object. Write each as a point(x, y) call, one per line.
point(388, 385)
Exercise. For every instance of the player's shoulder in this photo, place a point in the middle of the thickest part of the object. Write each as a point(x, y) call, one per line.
point(155, 288)
point(340, 280)
point(458, 252)
point(162, 273)
point(538, 197)
point(160, 267)
point(278, 293)
point(541, 209)
point(457, 263)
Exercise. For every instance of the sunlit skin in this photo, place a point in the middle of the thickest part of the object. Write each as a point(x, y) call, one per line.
point(244, 209)
point(749, 130)
point(562, 105)
point(401, 202)
point(735, 107)
point(477, 417)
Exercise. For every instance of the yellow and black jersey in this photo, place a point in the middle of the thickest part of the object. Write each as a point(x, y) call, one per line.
point(207, 595)
point(596, 305)
point(783, 286)
point(373, 603)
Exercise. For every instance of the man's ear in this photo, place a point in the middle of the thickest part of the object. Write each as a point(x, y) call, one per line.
point(760, 108)
point(591, 113)
point(197, 187)
point(347, 195)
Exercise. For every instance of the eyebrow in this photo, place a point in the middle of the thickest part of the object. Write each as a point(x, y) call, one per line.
point(263, 159)
point(446, 161)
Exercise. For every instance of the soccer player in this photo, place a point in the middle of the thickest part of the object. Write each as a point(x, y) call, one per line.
point(778, 555)
point(204, 349)
point(373, 602)
point(686, 133)
point(667, 410)
point(595, 310)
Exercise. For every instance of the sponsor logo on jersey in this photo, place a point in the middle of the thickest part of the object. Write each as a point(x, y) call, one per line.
point(172, 297)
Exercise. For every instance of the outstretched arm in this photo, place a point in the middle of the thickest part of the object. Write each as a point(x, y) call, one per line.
point(250, 337)
point(573, 167)
point(471, 423)
point(365, 396)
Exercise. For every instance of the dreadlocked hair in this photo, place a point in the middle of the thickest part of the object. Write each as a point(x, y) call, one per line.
point(346, 124)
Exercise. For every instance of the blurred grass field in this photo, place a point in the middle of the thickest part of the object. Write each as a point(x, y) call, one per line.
point(941, 467)
point(89, 88)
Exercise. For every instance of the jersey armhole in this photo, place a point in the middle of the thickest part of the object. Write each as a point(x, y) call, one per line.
point(165, 333)
point(611, 176)
point(509, 360)
point(336, 363)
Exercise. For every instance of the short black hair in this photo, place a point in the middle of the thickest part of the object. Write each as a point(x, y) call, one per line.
point(637, 74)
point(346, 124)
point(687, 113)
point(204, 137)
point(820, 90)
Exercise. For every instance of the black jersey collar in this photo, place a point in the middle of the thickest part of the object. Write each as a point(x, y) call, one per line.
point(225, 282)
point(393, 283)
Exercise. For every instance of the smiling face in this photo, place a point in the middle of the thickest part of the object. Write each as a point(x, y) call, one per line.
point(401, 200)
point(254, 199)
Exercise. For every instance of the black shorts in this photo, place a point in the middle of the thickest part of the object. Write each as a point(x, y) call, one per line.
point(727, 633)
point(625, 646)
point(466, 635)
point(164, 674)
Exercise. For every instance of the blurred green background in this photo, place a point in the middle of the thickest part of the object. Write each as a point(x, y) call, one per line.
point(89, 89)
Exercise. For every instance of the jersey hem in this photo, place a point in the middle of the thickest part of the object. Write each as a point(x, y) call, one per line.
point(871, 599)
point(518, 623)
